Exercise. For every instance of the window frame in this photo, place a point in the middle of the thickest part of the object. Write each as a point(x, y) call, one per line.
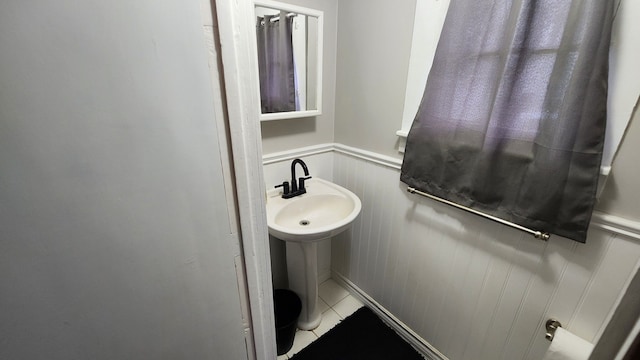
point(624, 74)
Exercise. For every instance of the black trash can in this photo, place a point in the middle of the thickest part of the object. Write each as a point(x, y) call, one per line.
point(287, 308)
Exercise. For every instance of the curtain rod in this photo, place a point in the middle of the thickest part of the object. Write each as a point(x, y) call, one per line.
point(276, 18)
point(536, 234)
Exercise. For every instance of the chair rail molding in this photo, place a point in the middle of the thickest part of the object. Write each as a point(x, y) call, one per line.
point(608, 222)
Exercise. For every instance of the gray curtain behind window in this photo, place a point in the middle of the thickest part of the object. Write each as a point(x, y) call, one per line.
point(513, 116)
point(275, 63)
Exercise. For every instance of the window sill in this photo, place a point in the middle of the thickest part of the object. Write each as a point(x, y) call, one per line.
point(402, 141)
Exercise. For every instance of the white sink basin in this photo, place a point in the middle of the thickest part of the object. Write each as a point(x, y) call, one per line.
point(325, 210)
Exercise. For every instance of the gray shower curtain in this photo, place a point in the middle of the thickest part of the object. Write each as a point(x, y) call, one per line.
point(275, 63)
point(513, 116)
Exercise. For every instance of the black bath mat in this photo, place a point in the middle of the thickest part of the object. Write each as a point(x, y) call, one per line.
point(358, 337)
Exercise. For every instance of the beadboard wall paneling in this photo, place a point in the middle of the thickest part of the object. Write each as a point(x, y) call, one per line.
point(471, 288)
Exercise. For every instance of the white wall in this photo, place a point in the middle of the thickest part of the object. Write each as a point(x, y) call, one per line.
point(116, 241)
point(374, 44)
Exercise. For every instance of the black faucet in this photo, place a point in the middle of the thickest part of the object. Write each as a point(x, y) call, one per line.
point(296, 188)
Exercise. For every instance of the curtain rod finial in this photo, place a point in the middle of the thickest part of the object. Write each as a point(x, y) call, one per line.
point(541, 235)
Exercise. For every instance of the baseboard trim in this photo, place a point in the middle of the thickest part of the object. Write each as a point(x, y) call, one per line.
point(428, 350)
point(324, 276)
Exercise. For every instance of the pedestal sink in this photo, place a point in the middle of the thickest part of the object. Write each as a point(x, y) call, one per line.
point(325, 210)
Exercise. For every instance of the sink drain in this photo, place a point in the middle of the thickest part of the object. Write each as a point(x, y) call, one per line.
point(304, 222)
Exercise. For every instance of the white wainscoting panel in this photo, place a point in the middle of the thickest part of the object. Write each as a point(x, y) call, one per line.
point(471, 288)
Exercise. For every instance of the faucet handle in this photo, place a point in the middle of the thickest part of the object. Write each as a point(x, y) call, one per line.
point(301, 183)
point(284, 186)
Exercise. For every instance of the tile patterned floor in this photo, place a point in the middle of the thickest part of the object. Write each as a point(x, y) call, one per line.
point(335, 304)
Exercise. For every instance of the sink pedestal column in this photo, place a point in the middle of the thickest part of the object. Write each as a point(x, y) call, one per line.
point(302, 269)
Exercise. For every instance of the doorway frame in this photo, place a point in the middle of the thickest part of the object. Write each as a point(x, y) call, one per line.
point(239, 74)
